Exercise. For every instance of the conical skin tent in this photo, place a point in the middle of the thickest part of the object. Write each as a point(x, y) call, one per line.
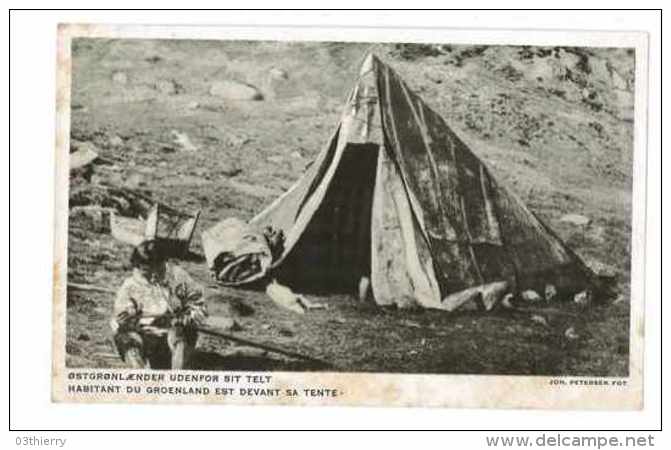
point(397, 197)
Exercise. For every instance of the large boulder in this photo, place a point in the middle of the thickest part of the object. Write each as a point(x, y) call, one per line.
point(235, 90)
point(82, 154)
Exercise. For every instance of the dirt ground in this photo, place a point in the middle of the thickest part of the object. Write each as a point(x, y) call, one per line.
point(553, 124)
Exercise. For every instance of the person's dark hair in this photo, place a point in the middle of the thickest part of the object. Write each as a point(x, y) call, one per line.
point(148, 253)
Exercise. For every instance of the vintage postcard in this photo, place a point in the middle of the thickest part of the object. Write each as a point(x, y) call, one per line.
point(445, 218)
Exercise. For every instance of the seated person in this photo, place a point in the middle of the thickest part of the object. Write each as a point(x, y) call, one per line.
point(156, 312)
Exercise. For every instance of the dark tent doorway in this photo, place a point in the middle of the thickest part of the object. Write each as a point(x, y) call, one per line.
point(335, 249)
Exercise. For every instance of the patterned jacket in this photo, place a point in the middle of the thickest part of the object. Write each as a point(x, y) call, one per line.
point(174, 292)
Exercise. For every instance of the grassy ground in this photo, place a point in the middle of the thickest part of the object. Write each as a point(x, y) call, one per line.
point(555, 125)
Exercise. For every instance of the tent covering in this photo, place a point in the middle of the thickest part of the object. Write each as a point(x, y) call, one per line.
point(397, 197)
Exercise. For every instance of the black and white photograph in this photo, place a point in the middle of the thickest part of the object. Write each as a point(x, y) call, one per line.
point(330, 207)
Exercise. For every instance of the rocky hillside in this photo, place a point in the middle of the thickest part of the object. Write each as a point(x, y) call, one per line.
point(225, 127)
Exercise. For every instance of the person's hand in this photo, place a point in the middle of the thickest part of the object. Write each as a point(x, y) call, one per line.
point(190, 317)
point(125, 318)
point(132, 310)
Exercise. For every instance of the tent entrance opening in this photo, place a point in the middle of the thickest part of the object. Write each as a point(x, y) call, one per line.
point(334, 251)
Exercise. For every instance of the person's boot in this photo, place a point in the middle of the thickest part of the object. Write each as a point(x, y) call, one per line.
point(133, 357)
point(178, 355)
point(180, 348)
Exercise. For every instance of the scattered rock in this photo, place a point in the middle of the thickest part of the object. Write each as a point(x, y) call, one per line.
point(120, 77)
point(296, 154)
point(169, 87)
point(411, 324)
point(234, 90)
point(571, 334)
point(588, 95)
point(183, 142)
point(507, 301)
point(212, 107)
point(576, 219)
point(550, 292)
point(583, 298)
point(531, 296)
point(116, 141)
point(539, 320)
point(278, 74)
point(235, 140)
